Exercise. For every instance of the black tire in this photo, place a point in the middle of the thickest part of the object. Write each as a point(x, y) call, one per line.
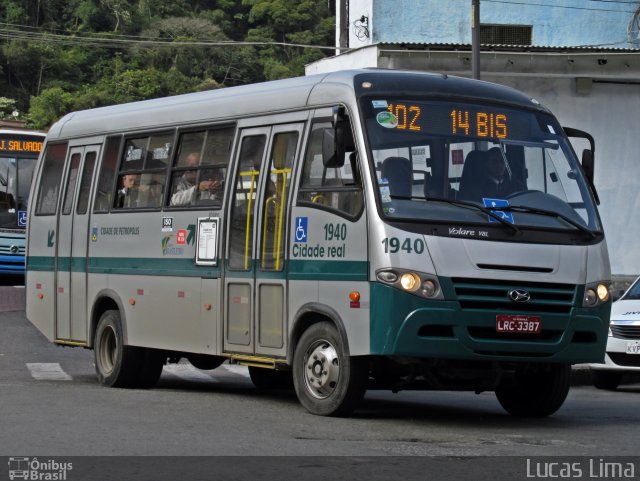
point(327, 381)
point(608, 380)
point(537, 391)
point(117, 365)
point(151, 368)
point(264, 378)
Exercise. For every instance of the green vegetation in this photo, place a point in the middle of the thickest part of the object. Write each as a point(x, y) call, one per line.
point(63, 55)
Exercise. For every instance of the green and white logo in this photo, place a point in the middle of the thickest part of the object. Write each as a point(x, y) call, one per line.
point(387, 120)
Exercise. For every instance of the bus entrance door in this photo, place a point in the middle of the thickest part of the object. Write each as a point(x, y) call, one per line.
point(71, 244)
point(255, 278)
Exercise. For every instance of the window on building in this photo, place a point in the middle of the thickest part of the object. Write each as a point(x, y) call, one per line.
point(505, 34)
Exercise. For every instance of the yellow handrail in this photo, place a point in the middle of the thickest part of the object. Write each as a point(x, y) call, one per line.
point(252, 173)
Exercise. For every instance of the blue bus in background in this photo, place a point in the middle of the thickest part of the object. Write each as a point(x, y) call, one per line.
point(19, 150)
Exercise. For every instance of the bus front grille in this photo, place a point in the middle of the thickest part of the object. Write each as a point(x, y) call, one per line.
point(493, 295)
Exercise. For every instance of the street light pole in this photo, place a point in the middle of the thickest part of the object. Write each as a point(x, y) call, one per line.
point(475, 38)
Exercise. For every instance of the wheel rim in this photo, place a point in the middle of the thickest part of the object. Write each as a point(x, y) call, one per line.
point(107, 350)
point(321, 369)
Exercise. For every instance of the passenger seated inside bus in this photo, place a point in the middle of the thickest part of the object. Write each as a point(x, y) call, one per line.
point(484, 175)
point(398, 173)
point(208, 189)
point(128, 192)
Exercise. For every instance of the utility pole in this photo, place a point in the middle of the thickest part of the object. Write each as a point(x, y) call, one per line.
point(475, 38)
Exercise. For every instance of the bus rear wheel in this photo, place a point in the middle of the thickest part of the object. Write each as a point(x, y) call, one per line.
point(327, 381)
point(536, 392)
point(118, 365)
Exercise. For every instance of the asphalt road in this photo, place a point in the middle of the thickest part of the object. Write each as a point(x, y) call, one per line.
point(51, 403)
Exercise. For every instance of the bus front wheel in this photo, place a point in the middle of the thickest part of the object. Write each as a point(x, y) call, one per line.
point(537, 391)
point(327, 381)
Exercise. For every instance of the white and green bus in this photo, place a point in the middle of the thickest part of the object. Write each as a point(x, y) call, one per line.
point(347, 231)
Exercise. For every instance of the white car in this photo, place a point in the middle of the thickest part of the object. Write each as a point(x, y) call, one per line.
point(623, 345)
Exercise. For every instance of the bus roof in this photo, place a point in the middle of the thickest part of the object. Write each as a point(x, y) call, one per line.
point(275, 96)
point(20, 132)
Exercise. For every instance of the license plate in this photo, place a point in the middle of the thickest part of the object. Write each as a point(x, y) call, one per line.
point(518, 324)
point(633, 347)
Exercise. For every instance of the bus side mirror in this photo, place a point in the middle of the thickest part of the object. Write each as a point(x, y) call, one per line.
point(332, 154)
point(337, 140)
point(588, 164)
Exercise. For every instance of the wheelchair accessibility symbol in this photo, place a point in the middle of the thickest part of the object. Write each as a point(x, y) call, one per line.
point(508, 216)
point(301, 229)
point(22, 218)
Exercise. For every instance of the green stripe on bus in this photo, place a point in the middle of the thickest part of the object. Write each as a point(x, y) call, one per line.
point(328, 270)
point(150, 267)
point(297, 269)
point(124, 265)
point(40, 263)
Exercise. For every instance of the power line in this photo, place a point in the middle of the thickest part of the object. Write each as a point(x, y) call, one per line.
point(119, 41)
point(570, 7)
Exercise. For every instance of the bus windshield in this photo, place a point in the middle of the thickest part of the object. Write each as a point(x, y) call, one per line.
point(451, 162)
point(15, 181)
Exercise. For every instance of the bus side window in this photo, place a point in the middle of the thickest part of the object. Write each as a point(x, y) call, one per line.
point(338, 189)
point(104, 190)
point(50, 179)
point(143, 171)
point(200, 168)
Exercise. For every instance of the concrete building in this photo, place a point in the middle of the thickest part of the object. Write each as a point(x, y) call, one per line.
point(581, 58)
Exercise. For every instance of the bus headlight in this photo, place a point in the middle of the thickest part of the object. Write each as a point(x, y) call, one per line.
point(595, 294)
point(409, 281)
point(423, 285)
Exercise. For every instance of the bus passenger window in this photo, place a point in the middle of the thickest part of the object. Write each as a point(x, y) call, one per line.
point(50, 179)
point(274, 208)
point(246, 188)
point(337, 189)
point(143, 171)
point(104, 189)
point(200, 168)
point(71, 184)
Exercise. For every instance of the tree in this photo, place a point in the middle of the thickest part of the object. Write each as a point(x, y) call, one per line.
point(49, 106)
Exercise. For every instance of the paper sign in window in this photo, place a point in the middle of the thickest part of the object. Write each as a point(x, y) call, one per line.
point(207, 242)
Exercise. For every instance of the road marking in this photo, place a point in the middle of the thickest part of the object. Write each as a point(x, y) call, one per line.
point(47, 371)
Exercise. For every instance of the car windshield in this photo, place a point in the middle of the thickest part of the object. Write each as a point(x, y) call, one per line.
point(450, 162)
point(633, 294)
point(15, 181)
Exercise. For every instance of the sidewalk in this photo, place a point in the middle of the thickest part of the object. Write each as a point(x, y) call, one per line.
point(12, 298)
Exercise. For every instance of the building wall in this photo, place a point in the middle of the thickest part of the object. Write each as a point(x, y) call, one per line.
point(566, 23)
point(606, 112)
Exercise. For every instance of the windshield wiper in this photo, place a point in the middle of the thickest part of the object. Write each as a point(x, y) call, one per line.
point(549, 213)
point(474, 206)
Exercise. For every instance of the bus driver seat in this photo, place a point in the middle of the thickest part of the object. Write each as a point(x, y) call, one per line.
point(399, 174)
point(473, 172)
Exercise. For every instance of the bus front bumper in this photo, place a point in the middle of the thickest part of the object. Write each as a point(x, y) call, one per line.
point(406, 325)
